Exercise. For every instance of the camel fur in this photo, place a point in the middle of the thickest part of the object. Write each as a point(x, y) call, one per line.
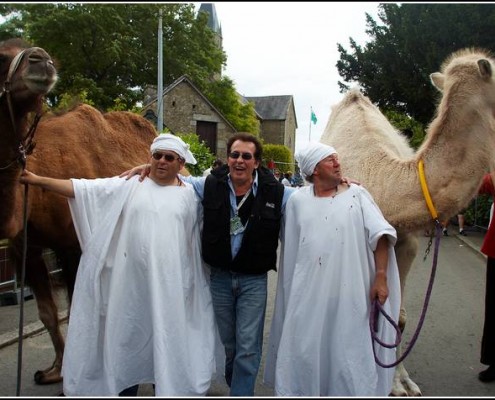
point(457, 152)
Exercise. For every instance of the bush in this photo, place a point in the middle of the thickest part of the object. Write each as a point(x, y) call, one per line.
point(201, 153)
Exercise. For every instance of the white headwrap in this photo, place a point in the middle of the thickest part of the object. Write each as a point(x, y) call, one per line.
point(311, 155)
point(167, 141)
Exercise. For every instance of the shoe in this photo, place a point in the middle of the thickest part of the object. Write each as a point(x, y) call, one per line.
point(488, 375)
point(445, 232)
point(462, 232)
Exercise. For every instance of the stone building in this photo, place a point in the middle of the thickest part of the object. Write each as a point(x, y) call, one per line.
point(187, 110)
point(278, 119)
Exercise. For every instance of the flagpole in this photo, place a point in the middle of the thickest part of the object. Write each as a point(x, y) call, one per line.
point(311, 109)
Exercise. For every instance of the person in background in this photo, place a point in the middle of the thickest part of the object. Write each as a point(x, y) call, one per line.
point(297, 180)
point(142, 310)
point(216, 164)
point(286, 181)
point(488, 248)
point(460, 220)
point(337, 258)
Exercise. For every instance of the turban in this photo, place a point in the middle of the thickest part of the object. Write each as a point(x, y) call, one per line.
point(167, 141)
point(311, 155)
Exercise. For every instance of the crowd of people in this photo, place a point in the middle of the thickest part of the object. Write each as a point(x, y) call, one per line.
point(172, 285)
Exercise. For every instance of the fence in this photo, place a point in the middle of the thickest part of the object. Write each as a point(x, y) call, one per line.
point(9, 284)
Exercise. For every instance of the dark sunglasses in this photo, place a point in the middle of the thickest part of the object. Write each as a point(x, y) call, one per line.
point(245, 156)
point(168, 157)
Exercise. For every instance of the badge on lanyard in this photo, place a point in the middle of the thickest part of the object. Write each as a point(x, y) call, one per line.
point(236, 226)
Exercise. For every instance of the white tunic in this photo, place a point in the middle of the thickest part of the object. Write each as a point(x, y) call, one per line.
point(141, 310)
point(320, 341)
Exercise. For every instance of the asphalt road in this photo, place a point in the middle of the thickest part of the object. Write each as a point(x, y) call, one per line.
point(443, 362)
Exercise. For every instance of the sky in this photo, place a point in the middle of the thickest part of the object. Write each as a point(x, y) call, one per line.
point(290, 48)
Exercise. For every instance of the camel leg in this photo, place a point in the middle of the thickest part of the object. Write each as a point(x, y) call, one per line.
point(38, 279)
point(405, 250)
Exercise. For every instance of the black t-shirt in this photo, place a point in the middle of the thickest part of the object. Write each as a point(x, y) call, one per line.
point(245, 211)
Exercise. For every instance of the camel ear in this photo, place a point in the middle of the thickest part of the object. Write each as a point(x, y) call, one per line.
point(485, 68)
point(437, 79)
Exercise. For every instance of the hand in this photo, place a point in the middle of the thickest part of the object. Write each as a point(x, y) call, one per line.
point(27, 177)
point(379, 289)
point(143, 171)
point(348, 181)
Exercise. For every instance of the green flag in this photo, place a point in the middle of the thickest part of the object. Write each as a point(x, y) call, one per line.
point(313, 117)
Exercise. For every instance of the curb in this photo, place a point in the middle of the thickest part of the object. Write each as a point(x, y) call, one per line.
point(471, 246)
point(31, 329)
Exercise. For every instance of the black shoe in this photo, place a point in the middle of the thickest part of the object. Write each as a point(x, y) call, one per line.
point(462, 232)
point(488, 375)
point(445, 232)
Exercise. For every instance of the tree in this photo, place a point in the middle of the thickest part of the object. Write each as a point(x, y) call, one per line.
point(222, 93)
point(201, 153)
point(109, 50)
point(280, 154)
point(412, 42)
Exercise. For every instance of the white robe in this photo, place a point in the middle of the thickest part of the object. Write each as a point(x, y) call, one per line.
point(141, 310)
point(320, 341)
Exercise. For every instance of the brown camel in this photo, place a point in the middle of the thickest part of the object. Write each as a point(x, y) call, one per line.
point(457, 152)
point(82, 143)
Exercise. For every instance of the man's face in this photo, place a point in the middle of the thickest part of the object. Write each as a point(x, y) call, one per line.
point(241, 161)
point(329, 169)
point(166, 167)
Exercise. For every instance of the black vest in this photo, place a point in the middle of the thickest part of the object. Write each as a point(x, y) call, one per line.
point(258, 252)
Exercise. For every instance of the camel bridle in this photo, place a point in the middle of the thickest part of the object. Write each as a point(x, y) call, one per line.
point(26, 143)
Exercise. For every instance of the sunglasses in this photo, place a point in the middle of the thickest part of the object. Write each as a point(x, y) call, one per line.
point(168, 157)
point(245, 156)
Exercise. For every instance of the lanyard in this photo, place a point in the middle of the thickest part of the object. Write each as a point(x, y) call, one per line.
point(242, 201)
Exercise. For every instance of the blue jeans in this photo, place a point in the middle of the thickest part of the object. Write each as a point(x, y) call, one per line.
point(239, 304)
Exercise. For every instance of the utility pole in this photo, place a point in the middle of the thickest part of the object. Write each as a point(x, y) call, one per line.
point(159, 95)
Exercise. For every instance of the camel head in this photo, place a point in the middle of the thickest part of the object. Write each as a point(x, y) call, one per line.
point(26, 75)
point(468, 72)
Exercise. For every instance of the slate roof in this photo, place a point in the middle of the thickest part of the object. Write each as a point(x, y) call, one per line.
point(271, 107)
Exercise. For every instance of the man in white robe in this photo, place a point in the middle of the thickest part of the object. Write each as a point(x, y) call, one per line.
point(337, 256)
point(141, 310)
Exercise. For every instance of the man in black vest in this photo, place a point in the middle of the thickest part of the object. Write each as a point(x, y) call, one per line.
point(243, 205)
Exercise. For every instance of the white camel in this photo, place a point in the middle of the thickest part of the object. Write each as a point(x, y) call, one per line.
point(457, 152)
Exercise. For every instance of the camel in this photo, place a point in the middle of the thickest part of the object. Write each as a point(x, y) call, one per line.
point(82, 143)
point(457, 152)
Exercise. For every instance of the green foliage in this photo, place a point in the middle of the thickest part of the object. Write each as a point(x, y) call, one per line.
point(110, 50)
point(411, 42)
point(408, 126)
point(280, 154)
point(201, 153)
point(67, 101)
point(478, 212)
point(223, 95)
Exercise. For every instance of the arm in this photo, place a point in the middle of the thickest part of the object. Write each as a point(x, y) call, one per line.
point(488, 184)
point(60, 186)
point(379, 289)
point(143, 170)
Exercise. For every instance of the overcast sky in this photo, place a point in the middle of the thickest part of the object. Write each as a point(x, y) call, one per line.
point(290, 48)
